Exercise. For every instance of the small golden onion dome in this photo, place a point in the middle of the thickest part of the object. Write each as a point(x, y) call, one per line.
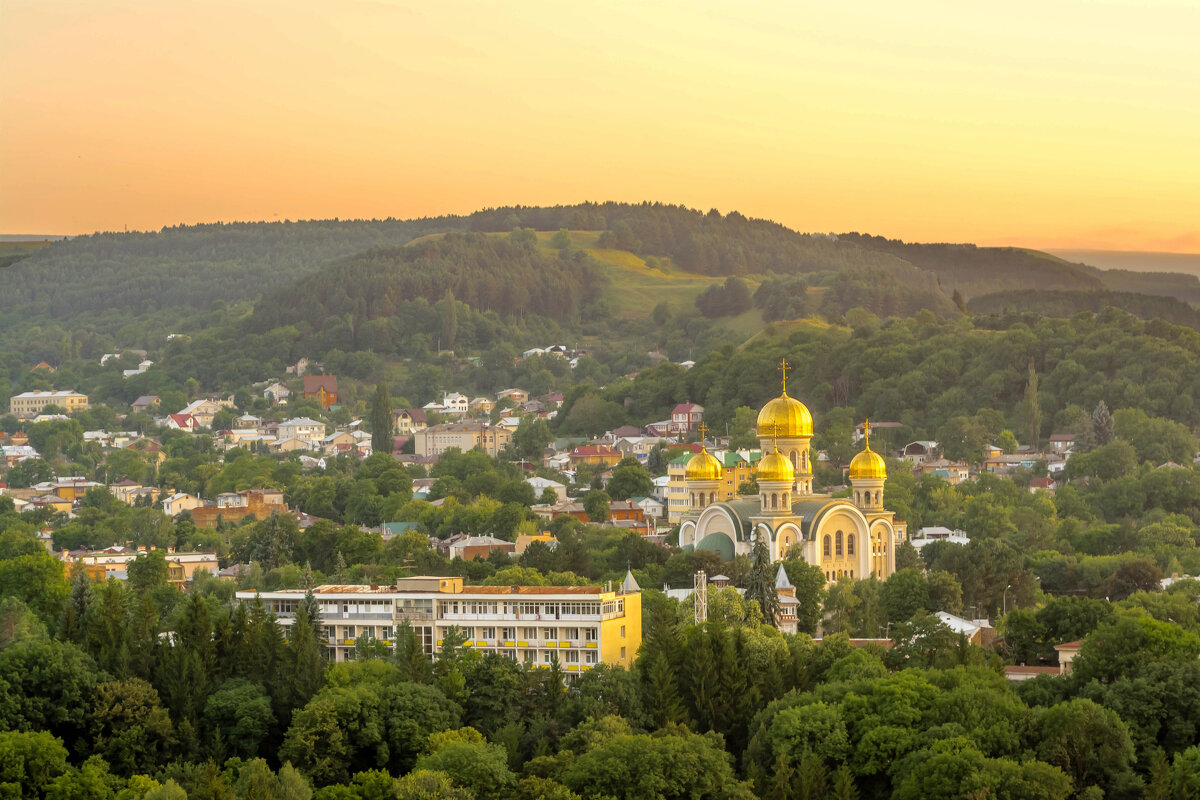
point(785, 417)
point(775, 467)
point(703, 467)
point(867, 465)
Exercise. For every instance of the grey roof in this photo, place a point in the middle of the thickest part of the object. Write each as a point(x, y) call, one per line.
point(630, 584)
point(781, 579)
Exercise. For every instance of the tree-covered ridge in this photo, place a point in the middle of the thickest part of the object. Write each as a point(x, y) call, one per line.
point(505, 275)
point(1056, 303)
point(978, 270)
point(189, 265)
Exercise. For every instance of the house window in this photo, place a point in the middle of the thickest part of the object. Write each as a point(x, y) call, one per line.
point(622, 631)
point(622, 653)
point(509, 633)
point(589, 634)
point(488, 633)
point(572, 656)
point(550, 633)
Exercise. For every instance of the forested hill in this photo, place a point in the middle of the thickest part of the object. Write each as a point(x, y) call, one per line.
point(706, 243)
point(1066, 304)
point(979, 270)
point(488, 273)
point(192, 265)
point(195, 266)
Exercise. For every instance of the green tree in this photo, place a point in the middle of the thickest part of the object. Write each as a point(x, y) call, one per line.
point(760, 587)
point(629, 479)
point(597, 505)
point(382, 424)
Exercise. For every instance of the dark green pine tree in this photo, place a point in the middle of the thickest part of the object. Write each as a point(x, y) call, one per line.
point(704, 684)
point(660, 693)
point(414, 664)
point(781, 787)
point(381, 420)
point(70, 625)
point(760, 586)
point(307, 659)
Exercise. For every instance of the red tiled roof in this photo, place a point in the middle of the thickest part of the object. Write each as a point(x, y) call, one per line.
point(595, 450)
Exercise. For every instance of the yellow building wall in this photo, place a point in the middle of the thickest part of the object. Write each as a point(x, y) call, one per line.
point(611, 640)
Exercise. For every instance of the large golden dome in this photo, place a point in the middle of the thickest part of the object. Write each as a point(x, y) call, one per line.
point(785, 417)
point(703, 467)
point(775, 467)
point(868, 464)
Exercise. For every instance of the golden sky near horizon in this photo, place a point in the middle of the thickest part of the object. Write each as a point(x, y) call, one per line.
point(1049, 123)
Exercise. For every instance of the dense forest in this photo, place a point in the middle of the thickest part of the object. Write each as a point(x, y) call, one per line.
point(1052, 303)
point(979, 270)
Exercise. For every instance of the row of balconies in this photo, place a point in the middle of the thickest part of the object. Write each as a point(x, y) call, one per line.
point(525, 643)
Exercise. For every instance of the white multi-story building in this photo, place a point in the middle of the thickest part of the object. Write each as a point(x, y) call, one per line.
point(581, 625)
point(302, 428)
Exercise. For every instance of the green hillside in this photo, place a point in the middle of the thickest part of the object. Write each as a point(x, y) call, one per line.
point(1065, 304)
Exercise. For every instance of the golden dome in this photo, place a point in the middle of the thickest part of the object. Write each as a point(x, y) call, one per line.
point(775, 467)
point(868, 464)
point(703, 467)
point(785, 417)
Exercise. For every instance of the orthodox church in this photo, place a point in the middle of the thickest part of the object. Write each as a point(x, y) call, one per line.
point(843, 536)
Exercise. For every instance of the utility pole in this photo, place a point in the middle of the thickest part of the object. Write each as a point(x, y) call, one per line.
point(701, 594)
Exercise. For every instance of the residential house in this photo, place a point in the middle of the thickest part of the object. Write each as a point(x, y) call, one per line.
point(576, 626)
point(183, 422)
point(43, 366)
point(1062, 442)
point(179, 502)
point(28, 405)
point(540, 485)
point(306, 430)
point(623, 432)
point(978, 632)
point(339, 442)
point(72, 488)
point(455, 403)
point(953, 472)
point(146, 402)
point(277, 394)
point(1067, 651)
point(686, 417)
point(322, 388)
point(514, 396)
point(526, 539)
point(51, 501)
point(652, 507)
point(114, 562)
point(467, 435)
point(474, 547)
point(481, 405)
point(131, 492)
point(937, 533)
point(598, 455)
point(1043, 484)
point(917, 453)
point(409, 420)
point(233, 507)
point(205, 409)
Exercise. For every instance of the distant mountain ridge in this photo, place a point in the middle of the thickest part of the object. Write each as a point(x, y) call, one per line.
point(198, 265)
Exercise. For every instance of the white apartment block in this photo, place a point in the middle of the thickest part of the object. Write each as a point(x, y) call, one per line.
point(580, 625)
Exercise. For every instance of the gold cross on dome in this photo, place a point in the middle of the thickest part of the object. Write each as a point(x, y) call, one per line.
point(783, 369)
point(703, 433)
point(867, 432)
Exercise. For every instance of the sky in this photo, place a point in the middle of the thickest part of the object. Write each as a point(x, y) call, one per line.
point(1043, 124)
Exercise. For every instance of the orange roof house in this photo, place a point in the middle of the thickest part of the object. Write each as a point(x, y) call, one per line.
point(322, 388)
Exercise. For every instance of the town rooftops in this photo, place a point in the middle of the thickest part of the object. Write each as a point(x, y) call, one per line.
point(314, 383)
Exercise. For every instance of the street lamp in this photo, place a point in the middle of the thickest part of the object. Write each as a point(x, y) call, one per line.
point(1005, 597)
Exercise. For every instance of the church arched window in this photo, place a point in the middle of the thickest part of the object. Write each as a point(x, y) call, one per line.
point(828, 542)
point(693, 496)
point(774, 501)
point(850, 544)
point(712, 497)
point(795, 461)
point(838, 543)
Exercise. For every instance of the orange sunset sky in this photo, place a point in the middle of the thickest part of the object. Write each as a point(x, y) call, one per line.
point(1046, 123)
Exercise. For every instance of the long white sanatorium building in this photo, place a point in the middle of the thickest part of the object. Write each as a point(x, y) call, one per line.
point(582, 625)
